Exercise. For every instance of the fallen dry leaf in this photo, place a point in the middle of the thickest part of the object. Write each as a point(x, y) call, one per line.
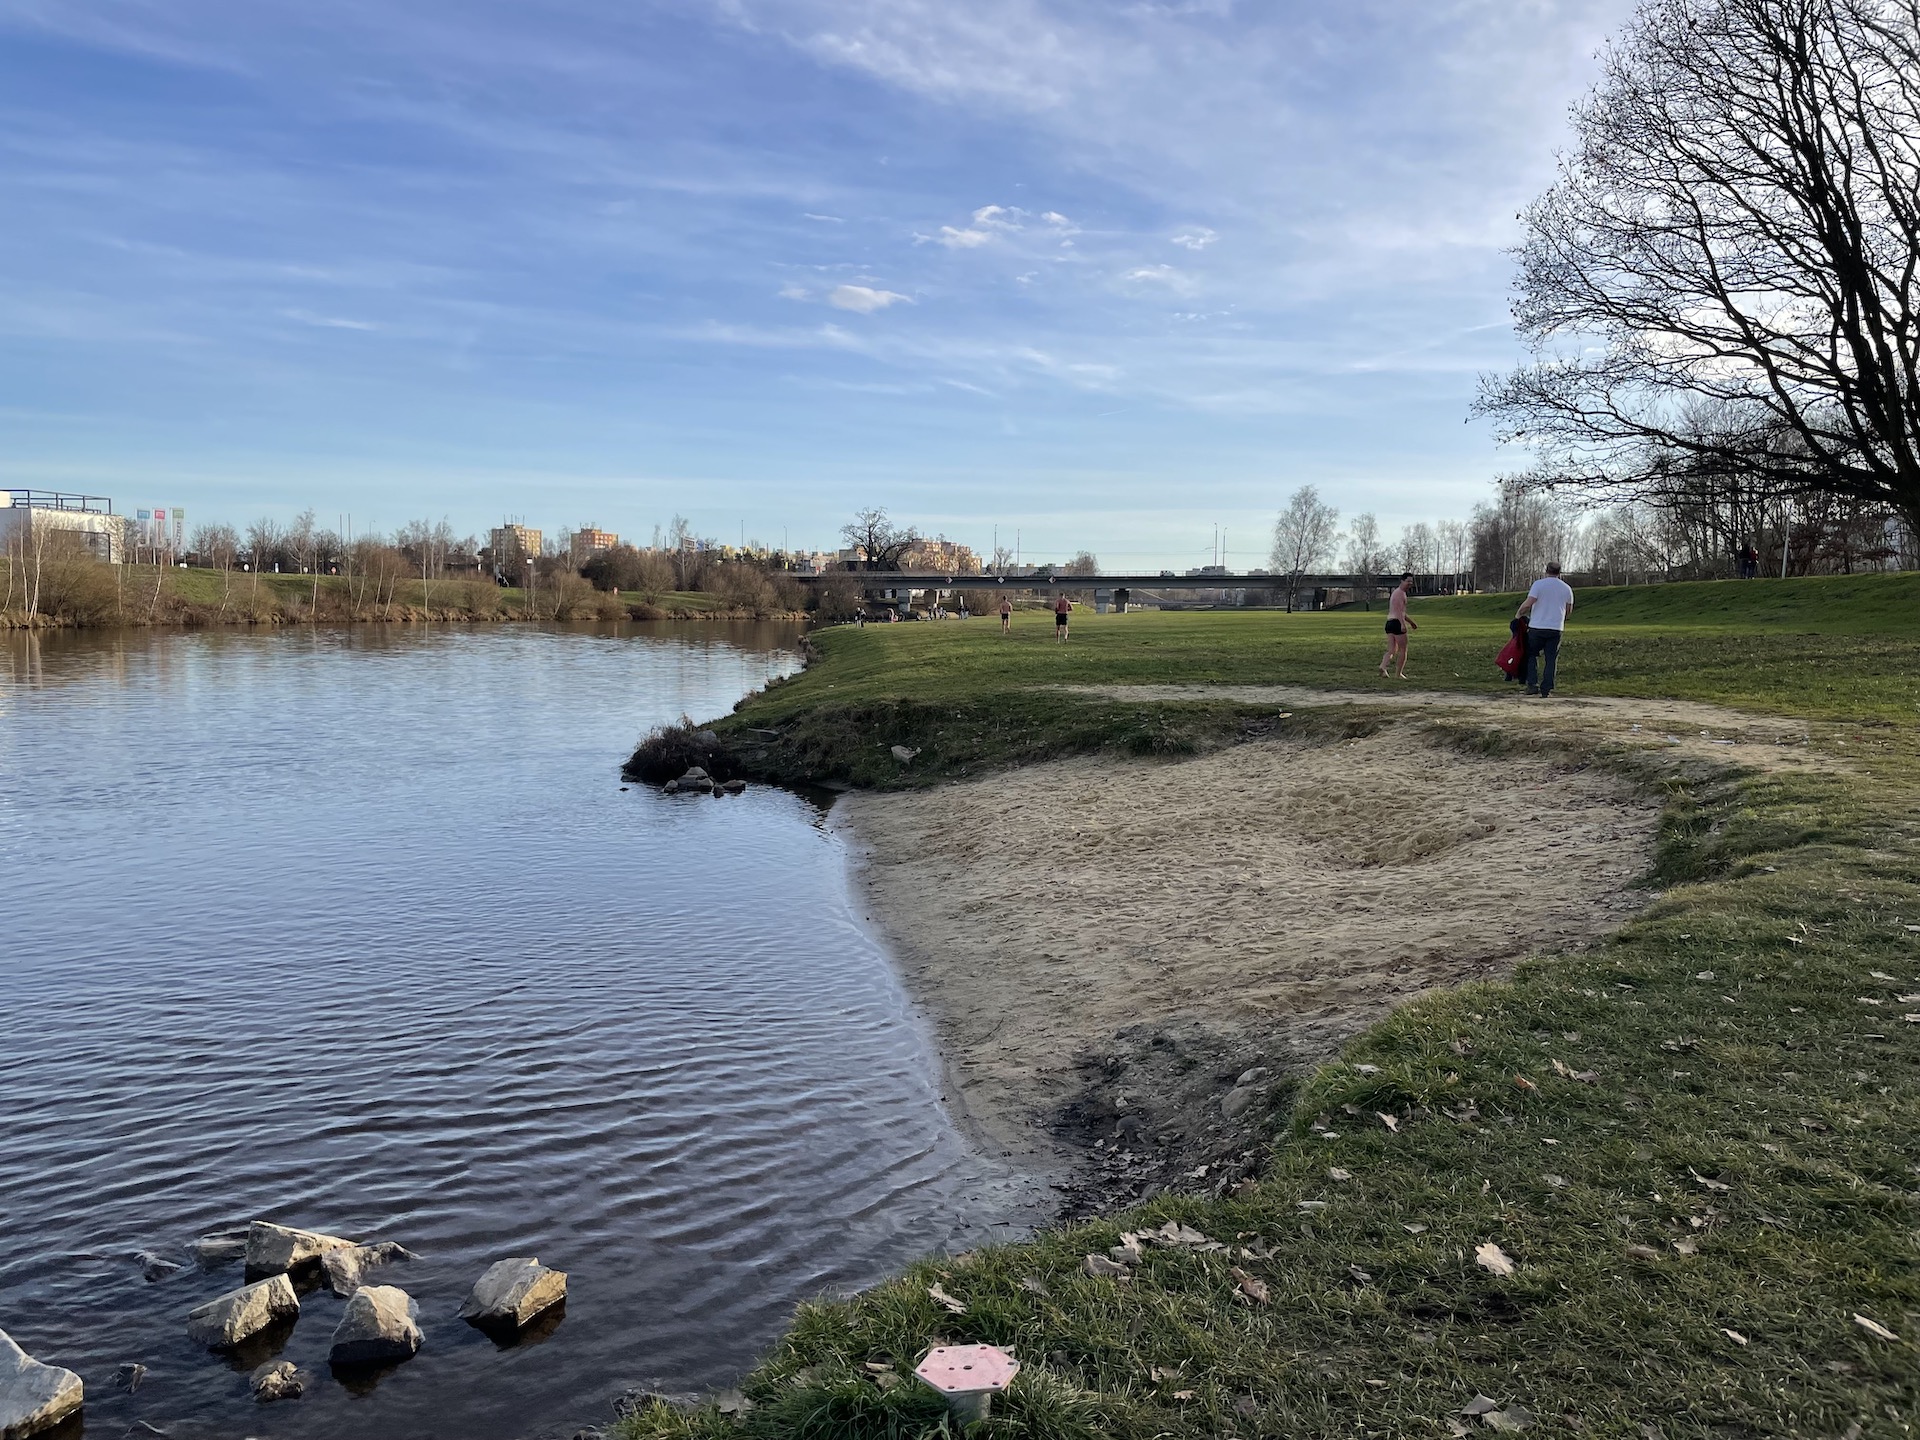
point(1357, 1273)
point(1480, 1405)
point(1415, 1229)
point(875, 1367)
point(1388, 1121)
point(1733, 1335)
point(1874, 1328)
point(1174, 1233)
point(1514, 1417)
point(1458, 1430)
point(1183, 1394)
point(1336, 1173)
point(1161, 1374)
point(956, 1306)
point(1127, 1252)
point(1687, 1245)
point(1558, 1182)
point(1643, 1252)
point(1521, 1082)
point(1367, 1069)
point(1100, 1267)
point(1254, 1290)
point(1491, 1257)
point(1034, 1285)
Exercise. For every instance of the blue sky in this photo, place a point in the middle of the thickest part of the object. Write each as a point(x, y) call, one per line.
point(1105, 273)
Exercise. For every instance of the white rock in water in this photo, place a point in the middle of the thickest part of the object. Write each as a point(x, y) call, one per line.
point(347, 1266)
point(274, 1248)
point(225, 1321)
point(379, 1325)
point(513, 1291)
point(695, 776)
point(33, 1397)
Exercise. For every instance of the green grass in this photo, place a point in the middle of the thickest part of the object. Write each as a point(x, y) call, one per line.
point(1744, 1156)
point(1830, 648)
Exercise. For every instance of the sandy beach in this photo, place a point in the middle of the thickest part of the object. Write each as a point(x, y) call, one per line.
point(1105, 946)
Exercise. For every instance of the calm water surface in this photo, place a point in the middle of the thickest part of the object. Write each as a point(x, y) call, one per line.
point(356, 930)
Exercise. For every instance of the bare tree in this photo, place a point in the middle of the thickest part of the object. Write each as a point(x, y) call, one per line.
point(1450, 547)
point(1303, 536)
point(880, 542)
point(1084, 563)
point(1416, 548)
point(1364, 557)
point(1738, 221)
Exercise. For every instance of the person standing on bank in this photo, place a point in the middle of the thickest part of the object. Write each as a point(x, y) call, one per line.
point(1546, 607)
point(1062, 608)
point(1006, 616)
point(1398, 626)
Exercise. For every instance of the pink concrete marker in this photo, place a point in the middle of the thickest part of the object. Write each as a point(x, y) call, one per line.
point(969, 1376)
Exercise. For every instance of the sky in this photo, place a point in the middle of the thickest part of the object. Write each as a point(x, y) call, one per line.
point(1099, 274)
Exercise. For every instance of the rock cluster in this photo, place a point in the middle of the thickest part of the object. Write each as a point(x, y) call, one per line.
point(512, 1292)
point(33, 1396)
point(380, 1324)
point(698, 782)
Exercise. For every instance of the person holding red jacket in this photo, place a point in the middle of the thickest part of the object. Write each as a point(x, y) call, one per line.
point(1512, 658)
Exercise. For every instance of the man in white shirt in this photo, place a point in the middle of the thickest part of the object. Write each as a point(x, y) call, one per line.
point(1546, 607)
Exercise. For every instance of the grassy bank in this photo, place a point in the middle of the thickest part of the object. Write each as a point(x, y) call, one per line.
point(1697, 1146)
point(83, 592)
point(968, 698)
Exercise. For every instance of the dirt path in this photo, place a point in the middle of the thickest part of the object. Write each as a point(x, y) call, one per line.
point(1712, 732)
point(1105, 946)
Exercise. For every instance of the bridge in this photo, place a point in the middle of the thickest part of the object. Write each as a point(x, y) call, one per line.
point(875, 582)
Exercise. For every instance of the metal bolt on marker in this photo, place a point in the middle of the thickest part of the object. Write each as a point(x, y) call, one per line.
point(969, 1376)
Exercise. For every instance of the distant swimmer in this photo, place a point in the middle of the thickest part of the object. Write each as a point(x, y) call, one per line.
point(1398, 624)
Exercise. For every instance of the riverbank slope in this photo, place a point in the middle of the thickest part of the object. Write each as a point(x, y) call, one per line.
point(79, 592)
point(1663, 1184)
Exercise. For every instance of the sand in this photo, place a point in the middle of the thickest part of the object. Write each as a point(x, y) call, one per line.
point(1097, 937)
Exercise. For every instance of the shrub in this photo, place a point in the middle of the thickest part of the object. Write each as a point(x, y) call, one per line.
point(670, 751)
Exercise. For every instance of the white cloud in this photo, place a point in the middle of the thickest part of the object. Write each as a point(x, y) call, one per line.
point(1197, 237)
point(795, 292)
point(1177, 281)
point(862, 299)
point(963, 239)
point(824, 219)
point(328, 322)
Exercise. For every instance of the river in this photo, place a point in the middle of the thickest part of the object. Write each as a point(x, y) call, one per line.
point(358, 930)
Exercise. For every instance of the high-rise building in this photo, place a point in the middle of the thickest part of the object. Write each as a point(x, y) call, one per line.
point(512, 547)
point(587, 542)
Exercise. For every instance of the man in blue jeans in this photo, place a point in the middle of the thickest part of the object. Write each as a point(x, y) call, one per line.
point(1546, 607)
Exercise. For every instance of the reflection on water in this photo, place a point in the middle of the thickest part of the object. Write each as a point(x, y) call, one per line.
point(357, 930)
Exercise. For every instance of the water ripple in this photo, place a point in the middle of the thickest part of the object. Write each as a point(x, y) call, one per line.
point(356, 930)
